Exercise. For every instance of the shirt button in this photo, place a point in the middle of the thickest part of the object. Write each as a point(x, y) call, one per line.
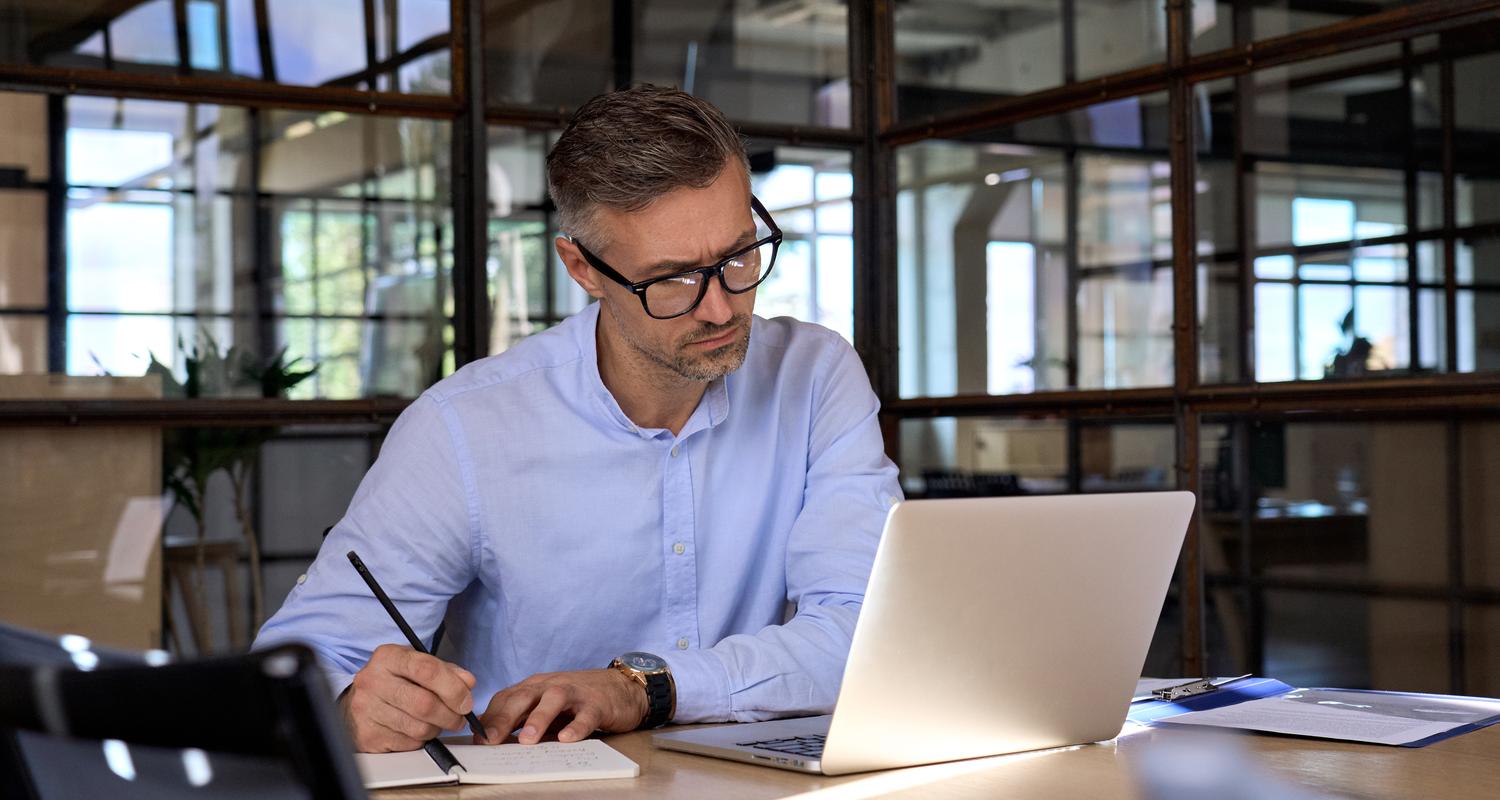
point(682, 644)
point(301, 579)
point(679, 548)
point(674, 452)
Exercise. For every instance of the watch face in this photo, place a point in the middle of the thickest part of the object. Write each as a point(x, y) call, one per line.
point(645, 662)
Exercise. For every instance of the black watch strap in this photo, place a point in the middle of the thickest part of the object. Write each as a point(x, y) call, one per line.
point(658, 700)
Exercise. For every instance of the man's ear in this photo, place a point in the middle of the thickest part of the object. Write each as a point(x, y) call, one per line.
point(579, 269)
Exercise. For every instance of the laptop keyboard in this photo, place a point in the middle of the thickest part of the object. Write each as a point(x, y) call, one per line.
point(805, 746)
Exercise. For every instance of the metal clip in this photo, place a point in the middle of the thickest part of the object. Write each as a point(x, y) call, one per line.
point(1190, 689)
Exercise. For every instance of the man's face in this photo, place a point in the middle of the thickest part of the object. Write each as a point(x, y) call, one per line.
point(684, 229)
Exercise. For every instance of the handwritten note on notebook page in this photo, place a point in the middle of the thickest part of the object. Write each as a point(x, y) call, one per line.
point(590, 759)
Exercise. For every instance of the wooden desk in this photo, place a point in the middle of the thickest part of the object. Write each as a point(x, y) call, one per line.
point(1464, 767)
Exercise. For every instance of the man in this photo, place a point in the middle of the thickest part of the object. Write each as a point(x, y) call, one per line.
point(660, 474)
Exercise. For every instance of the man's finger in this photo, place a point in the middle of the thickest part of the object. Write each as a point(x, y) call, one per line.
point(399, 722)
point(436, 676)
point(508, 708)
point(422, 704)
point(583, 725)
point(377, 738)
point(552, 702)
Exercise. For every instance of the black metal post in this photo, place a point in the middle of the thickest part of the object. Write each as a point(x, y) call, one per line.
point(471, 302)
point(1185, 326)
point(57, 234)
point(623, 41)
point(1457, 668)
point(875, 267)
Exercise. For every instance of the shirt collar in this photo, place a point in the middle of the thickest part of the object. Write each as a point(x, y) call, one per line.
point(715, 398)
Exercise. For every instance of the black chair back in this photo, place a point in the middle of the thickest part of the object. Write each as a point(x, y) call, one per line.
point(76, 721)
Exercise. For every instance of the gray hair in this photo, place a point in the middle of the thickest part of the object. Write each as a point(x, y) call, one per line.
point(625, 149)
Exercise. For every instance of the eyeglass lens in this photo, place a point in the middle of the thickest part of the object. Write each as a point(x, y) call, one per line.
point(679, 293)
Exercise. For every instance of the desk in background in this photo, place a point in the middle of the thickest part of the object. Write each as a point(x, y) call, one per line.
point(1463, 767)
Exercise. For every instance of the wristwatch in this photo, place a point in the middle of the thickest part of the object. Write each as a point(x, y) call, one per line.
point(652, 674)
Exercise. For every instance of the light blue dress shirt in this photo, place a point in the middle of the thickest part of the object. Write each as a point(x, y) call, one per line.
point(518, 499)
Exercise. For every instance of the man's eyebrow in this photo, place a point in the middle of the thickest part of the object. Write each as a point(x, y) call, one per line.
point(664, 268)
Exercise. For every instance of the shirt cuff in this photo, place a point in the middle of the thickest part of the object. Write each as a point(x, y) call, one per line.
point(338, 683)
point(702, 686)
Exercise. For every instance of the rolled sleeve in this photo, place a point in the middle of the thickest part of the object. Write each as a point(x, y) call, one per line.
point(411, 522)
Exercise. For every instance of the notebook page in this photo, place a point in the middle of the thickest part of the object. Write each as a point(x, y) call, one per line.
point(385, 770)
point(589, 759)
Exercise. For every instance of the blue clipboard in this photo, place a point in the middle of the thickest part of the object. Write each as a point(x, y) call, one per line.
point(1148, 712)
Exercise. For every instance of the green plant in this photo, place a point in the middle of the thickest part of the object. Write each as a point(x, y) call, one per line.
point(191, 456)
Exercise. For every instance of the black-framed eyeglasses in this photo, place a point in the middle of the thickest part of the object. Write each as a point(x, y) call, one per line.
point(676, 294)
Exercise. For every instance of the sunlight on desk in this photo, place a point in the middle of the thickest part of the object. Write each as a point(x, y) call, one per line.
point(880, 784)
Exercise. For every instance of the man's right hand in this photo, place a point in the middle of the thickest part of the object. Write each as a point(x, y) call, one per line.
point(402, 698)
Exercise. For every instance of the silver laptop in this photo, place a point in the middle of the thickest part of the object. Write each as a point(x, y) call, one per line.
point(990, 625)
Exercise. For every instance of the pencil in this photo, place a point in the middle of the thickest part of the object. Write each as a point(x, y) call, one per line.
point(411, 636)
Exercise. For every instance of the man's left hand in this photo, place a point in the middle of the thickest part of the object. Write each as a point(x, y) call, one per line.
point(595, 699)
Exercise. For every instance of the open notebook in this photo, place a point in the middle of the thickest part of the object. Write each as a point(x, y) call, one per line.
point(589, 759)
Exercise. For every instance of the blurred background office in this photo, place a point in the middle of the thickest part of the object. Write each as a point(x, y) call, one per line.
point(1247, 247)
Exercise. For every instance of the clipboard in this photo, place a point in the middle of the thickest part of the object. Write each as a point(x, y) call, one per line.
point(1336, 715)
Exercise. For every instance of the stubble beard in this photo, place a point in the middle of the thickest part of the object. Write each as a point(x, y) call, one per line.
point(701, 367)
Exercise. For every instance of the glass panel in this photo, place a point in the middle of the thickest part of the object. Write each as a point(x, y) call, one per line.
point(952, 55)
point(1299, 204)
point(771, 63)
point(23, 138)
point(551, 53)
point(1275, 333)
point(285, 485)
point(1217, 211)
point(1360, 120)
point(23, 343)
point(768, 62)
point(1004, 327)
point(521, 254)
point(1479, 466)
point(963, 457)
point(1213, 20)
point(1477, 265)
point(23, 249)
point(1331, 167)
point(342, 264)
point(1432, 344)
point(1323, 639)
point(1211, 25)
point(1482, 646)
point(83, 521)
point(1342, 501)
point(1327, 330)
point(1219, 322)
point(1477, 124)
point(1127, 457)
point(808, 191)
point(308, 478)
point(115, 537)
point(1164, 656)
point(972, 456)
point(1329, 504)
point(379, 41)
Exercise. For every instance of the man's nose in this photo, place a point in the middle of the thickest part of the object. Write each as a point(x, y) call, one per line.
point(715, 308)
